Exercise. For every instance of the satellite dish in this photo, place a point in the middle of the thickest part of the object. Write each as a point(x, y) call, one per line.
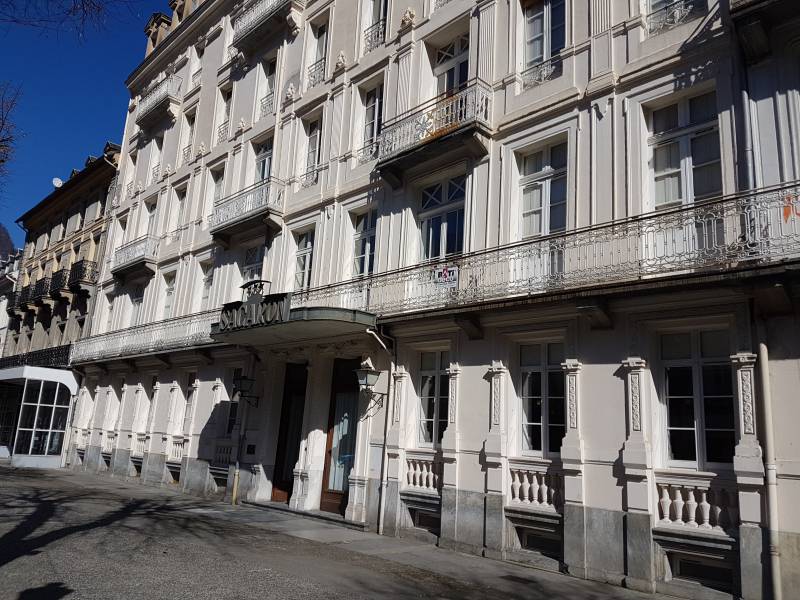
point(57, 182)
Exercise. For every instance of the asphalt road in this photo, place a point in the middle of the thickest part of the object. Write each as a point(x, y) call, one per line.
point(70, 535)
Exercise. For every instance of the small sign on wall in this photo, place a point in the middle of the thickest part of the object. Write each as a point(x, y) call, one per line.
point(446, 277)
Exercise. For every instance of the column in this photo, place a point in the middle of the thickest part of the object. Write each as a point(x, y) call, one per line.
point(450, 444)
point(748, 465)
point(574, 514)
point(637, 460)
point(395, 455)
point(496, 455)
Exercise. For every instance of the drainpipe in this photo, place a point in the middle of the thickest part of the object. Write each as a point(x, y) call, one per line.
point(384, 455)
point(769, 463)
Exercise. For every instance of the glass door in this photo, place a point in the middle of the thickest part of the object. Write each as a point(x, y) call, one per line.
point(294, 399)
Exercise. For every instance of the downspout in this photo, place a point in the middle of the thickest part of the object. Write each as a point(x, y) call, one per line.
point(386, 409)
point(770, 465)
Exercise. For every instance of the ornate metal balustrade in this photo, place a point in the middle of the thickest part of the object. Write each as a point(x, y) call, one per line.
point(41, 289)
point(674, 14)
point(435, 118)
point(374, 35)
point(267, 105)
point(544, 71)
point(56, 357)
point(24, 296)
point(265, 195)
point(140, 249)
point(437, 4)
point(222, 132)
point(733, 232)
point(197, 78)
point(368, 152)
point(186, 154)
point(316, 72)
point(59, 282)
point(171, 334)
point(83, 271)
point(309, 178)
point(169, 87)
point(257, 14)
point(154, 173)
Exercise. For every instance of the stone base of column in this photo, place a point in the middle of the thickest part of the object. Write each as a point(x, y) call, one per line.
point(640, 572)
point(753, 557)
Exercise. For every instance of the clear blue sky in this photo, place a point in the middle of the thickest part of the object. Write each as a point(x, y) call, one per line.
point(73, 99)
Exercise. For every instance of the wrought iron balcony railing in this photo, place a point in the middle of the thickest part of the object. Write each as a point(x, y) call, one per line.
point(161, 336)
point(59, 282)
point(186, 154)
point(140, 249)
point(83, 271)
point(57, 356)
point(267, 105)
point(374, 35)
point(675, 13)
point(222, 132)
point(11, 302)
point(257, 14)
point(368, 152)
point(24, 296)
point(169, 87)
point(544, 71)
point(256, 199)
point(735, 232)
point(41, 289)
point(437, 4)
point(437, 117)
point(316, 72)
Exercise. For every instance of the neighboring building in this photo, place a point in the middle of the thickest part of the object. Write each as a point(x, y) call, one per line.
point(566, 233)
point(9, 272)
point(50, 309)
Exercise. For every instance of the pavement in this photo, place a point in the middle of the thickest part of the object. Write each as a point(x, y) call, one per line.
point(73, 535)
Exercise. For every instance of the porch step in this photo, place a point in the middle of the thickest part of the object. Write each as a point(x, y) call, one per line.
point(317, 515)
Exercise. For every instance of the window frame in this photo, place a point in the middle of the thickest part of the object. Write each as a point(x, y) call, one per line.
point(305, 255)
point(544, 368)
point(368, 234)
point(440, 373)
point(446, 206)
point(546, 10)
point(543, 179)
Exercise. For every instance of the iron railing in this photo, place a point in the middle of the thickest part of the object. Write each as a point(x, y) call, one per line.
point(55, 357)
point(197, 78)
point(267, 105)
point(222, 132)
point(675, 13)
point(543, 71)
point(267, 194)
point(435, 118)
point(368, 152)
point(171, 334)
point(374, 35)
point(60, 281)
point(83, 271)
point(143, 248)
point(732, 232)
point(309, 178)
point(169, 87)
point(257, 14)
point(24, 296)
point(186, 154)
point(316, 72)
point(42, 288)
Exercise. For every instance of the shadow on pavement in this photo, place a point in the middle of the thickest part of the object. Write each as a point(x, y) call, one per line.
point(51, 591)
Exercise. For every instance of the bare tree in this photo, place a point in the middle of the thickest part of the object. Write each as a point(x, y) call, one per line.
point(9, 98)
point(76, 15)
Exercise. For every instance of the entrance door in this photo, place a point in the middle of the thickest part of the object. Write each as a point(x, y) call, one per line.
point(10, 402)
point(341, 447)
point(294, 399)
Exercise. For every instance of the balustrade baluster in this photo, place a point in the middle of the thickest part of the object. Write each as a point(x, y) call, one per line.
point(665, 503)
point(526, 486)
point(691, 507)
point(705, 510)
point(543, 489)
point(677, 504)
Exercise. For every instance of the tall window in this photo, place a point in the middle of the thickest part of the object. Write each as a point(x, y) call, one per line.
point(226, 99)
point(364, 243)
point(263, 160)
point(698, 388)
point(685, 151)
point(268, 93)
point(217, 184)
point(545, 27)
point(304, 260)
point(43, 418)
point(312, 150)
point(155, 159)
point(321, 41)
point(451, 66)
point(207, 284)
point(137, 298)
point(544, 191)
point(542, 395)
point(442, 218)
point(152, 212)
point(109, 313)
point(188, 137)
point(253, 263)
point(169, 295)
point(373, 114)
point(433, 394)
point(178, 209)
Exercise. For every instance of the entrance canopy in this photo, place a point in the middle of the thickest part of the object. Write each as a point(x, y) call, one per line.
point(269, 320)
point(61, 376)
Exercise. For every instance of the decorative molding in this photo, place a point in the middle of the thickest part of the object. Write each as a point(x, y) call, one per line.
point(341, 61)
point(452, 393)
point(408, 18)
point(497, 373)
point(744, 362)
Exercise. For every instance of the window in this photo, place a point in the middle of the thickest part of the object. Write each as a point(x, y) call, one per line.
point(545, 30)
point(442, 218)
point(152, 211)
point(304, 260)
point(43, 418)
point(698, 389)
point(685, 152)
point(312, 151)
point(434, 389)
point(178, 209)
point(169, 295)
point(253, 264)
point(263, 160)
point(137, 297)
point(109, 313)
point(217, 184)
point(267, 97)
point(188, 137)
point(544, 191)
point(207, 284)
point(542, 395)
point(321, 41)
point(373, 114)
point(364, 243)
point(226, 99)
point(451, 65)
point(155, 161)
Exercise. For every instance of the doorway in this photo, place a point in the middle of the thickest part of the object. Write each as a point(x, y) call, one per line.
point(294, 399)
point(341, 444)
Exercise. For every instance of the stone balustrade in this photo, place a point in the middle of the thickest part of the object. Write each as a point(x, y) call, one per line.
point(536, 485)
point(696, 500)
point(423, 473)
point(139, 446)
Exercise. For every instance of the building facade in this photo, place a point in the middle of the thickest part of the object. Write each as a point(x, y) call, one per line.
point(562, 233)
point(50, 308)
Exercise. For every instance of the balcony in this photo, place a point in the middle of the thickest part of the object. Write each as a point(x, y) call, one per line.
point(136, 258)
point(374, 36)
point(41, 292)
point(160, 102)
point(56, 357)
point(674, 14)
point(452, 121)
point(267, 105)
point(734, 233)
point(24, 300)
point(316, 72)
point(83, 276)
point(170, 335)
point(257, 204)
point(11, 303)
point(263, 18)
point(222, 132)
point(544, 71)
point(59, 285)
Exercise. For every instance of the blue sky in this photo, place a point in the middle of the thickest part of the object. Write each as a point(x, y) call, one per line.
point(73, 100)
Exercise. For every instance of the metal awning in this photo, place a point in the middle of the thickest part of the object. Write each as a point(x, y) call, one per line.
point(66, 378)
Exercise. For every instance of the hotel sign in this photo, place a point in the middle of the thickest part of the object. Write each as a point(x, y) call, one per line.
point(446, 277)
point(256, 311)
